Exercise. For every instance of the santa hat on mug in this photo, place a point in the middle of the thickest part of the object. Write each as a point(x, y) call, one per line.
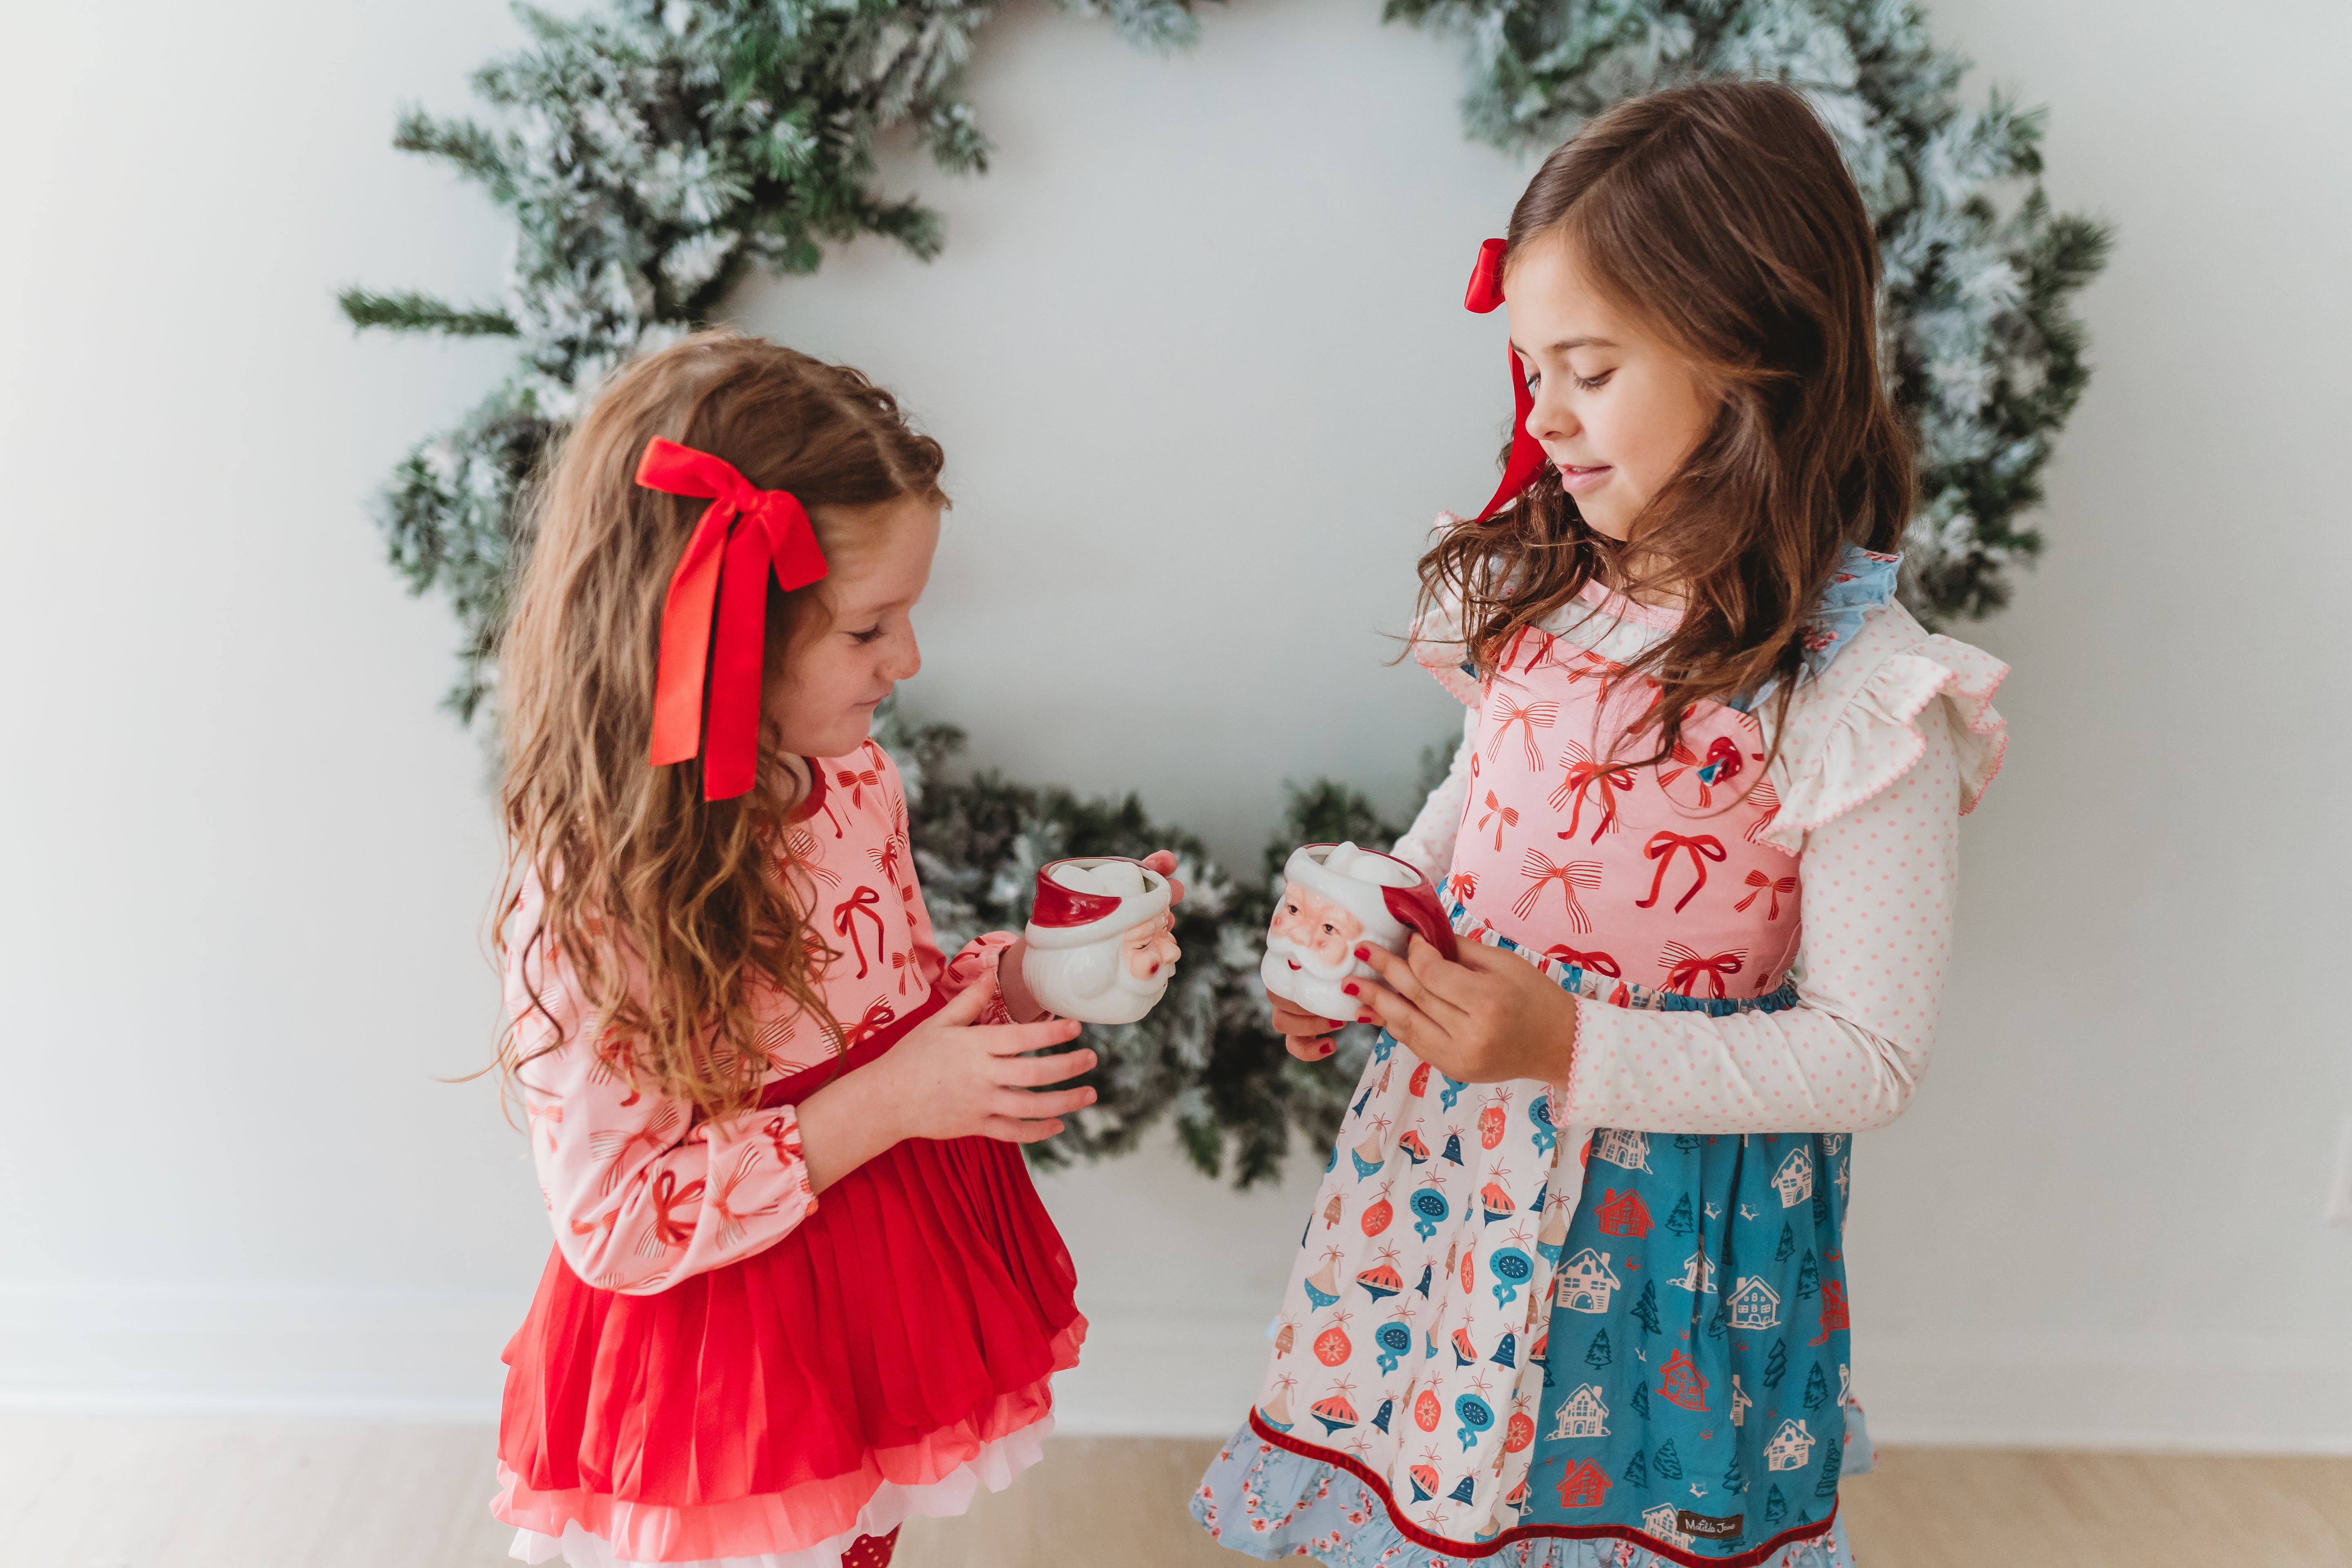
point(1388, 895)
point(1085, 901)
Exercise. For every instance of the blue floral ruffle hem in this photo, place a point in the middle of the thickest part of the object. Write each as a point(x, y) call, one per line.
point(1267, 1503)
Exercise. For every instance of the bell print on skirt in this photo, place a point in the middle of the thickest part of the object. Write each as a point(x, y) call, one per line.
point(1428, 1324)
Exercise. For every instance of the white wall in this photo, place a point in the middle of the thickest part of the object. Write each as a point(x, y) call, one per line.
point(1195, 354)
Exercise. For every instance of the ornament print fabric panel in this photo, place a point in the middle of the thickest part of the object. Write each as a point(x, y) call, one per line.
point(1411, 1338)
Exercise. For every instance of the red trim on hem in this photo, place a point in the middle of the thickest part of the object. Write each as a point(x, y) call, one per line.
point(1479, 1549)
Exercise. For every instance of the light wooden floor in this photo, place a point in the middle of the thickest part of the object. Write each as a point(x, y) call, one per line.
point(118, 1493)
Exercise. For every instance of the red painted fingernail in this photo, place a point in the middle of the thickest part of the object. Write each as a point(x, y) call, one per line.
point(1363, 956)
point(1329, 1047)
point(1350, 989)
point(1366, 1019)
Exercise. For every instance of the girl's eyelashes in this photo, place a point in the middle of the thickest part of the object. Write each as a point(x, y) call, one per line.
point(867, 636)
point(1533, 379)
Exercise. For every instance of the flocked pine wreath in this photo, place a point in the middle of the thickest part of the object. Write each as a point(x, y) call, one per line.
point(654, 153)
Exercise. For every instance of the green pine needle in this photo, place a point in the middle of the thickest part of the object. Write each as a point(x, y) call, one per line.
point(413, 312)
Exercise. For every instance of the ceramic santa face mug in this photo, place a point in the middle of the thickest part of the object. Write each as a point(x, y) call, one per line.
point(1336, 897)
point(1102, 945)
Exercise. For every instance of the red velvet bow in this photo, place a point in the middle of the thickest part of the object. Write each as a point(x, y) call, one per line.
point(1485, 294)
point(745, 533)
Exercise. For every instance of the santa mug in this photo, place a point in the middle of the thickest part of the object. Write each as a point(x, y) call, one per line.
point(1335, 898)
point(1102, 943)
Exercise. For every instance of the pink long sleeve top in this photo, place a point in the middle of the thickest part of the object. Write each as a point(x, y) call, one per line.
point(643, 1194)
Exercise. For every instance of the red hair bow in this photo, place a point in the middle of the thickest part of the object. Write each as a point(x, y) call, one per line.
point(1485, 294)
point(716, 616)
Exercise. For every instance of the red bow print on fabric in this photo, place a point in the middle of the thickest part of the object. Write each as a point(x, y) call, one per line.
point(716, 616)
point(1541, 873)
point(1526, 461)
point(667, 1229)
point(1776, 885)
point(1584, 774)
point(845, 923)
point(1590, 962)
point(1685, 968)
point(1701, 847)
point(1501, 815)
point(1533, 716)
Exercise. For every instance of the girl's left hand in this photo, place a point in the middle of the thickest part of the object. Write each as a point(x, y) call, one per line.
point(1024, 1008)
point(1164, 862)
point(1485, 1019)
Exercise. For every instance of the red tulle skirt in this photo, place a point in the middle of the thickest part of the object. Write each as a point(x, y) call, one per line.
point(912, 1320)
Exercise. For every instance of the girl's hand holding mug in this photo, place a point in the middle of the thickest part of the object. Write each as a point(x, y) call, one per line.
point(1307, 1034)
point(949, 1077)
point(1488, 1018)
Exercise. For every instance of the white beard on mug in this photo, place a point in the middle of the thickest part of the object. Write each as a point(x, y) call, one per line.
point(1096, 922)
point(1096, 982)
point(1294, 974)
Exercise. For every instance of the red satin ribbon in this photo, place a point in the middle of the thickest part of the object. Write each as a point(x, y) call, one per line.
point(715, 617)
point(1484, 295)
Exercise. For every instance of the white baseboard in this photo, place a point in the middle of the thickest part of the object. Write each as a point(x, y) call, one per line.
point(424, 1356)
point(381, 1353)
point(2202, 1392)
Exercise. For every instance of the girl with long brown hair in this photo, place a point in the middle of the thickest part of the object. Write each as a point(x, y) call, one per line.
point(802, 1287)
point(1699, 843)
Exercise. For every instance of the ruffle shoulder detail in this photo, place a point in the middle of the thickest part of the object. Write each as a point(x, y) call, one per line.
point(1439, 647)
point(1855, 727)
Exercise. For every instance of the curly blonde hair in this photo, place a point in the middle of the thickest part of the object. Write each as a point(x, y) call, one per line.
point(671, 910)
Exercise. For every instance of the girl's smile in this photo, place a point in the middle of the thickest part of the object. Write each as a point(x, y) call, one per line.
point(1617, 410)
point(861, 643)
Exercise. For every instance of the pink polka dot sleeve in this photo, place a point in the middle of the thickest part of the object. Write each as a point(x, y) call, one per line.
point(1429, 842)
point(1879, 886)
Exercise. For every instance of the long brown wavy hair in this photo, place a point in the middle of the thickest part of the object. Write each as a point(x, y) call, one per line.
point(1720, 217)
point(672, 912)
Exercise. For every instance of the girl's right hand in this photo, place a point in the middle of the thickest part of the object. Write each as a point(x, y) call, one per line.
point(951, 1078)
point(1307, 1034)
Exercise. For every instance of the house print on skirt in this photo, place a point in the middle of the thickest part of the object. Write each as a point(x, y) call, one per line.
point(1720, 1422)
point(1710, 1427)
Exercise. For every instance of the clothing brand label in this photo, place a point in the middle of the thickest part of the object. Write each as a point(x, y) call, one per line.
point(1709, 1528)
